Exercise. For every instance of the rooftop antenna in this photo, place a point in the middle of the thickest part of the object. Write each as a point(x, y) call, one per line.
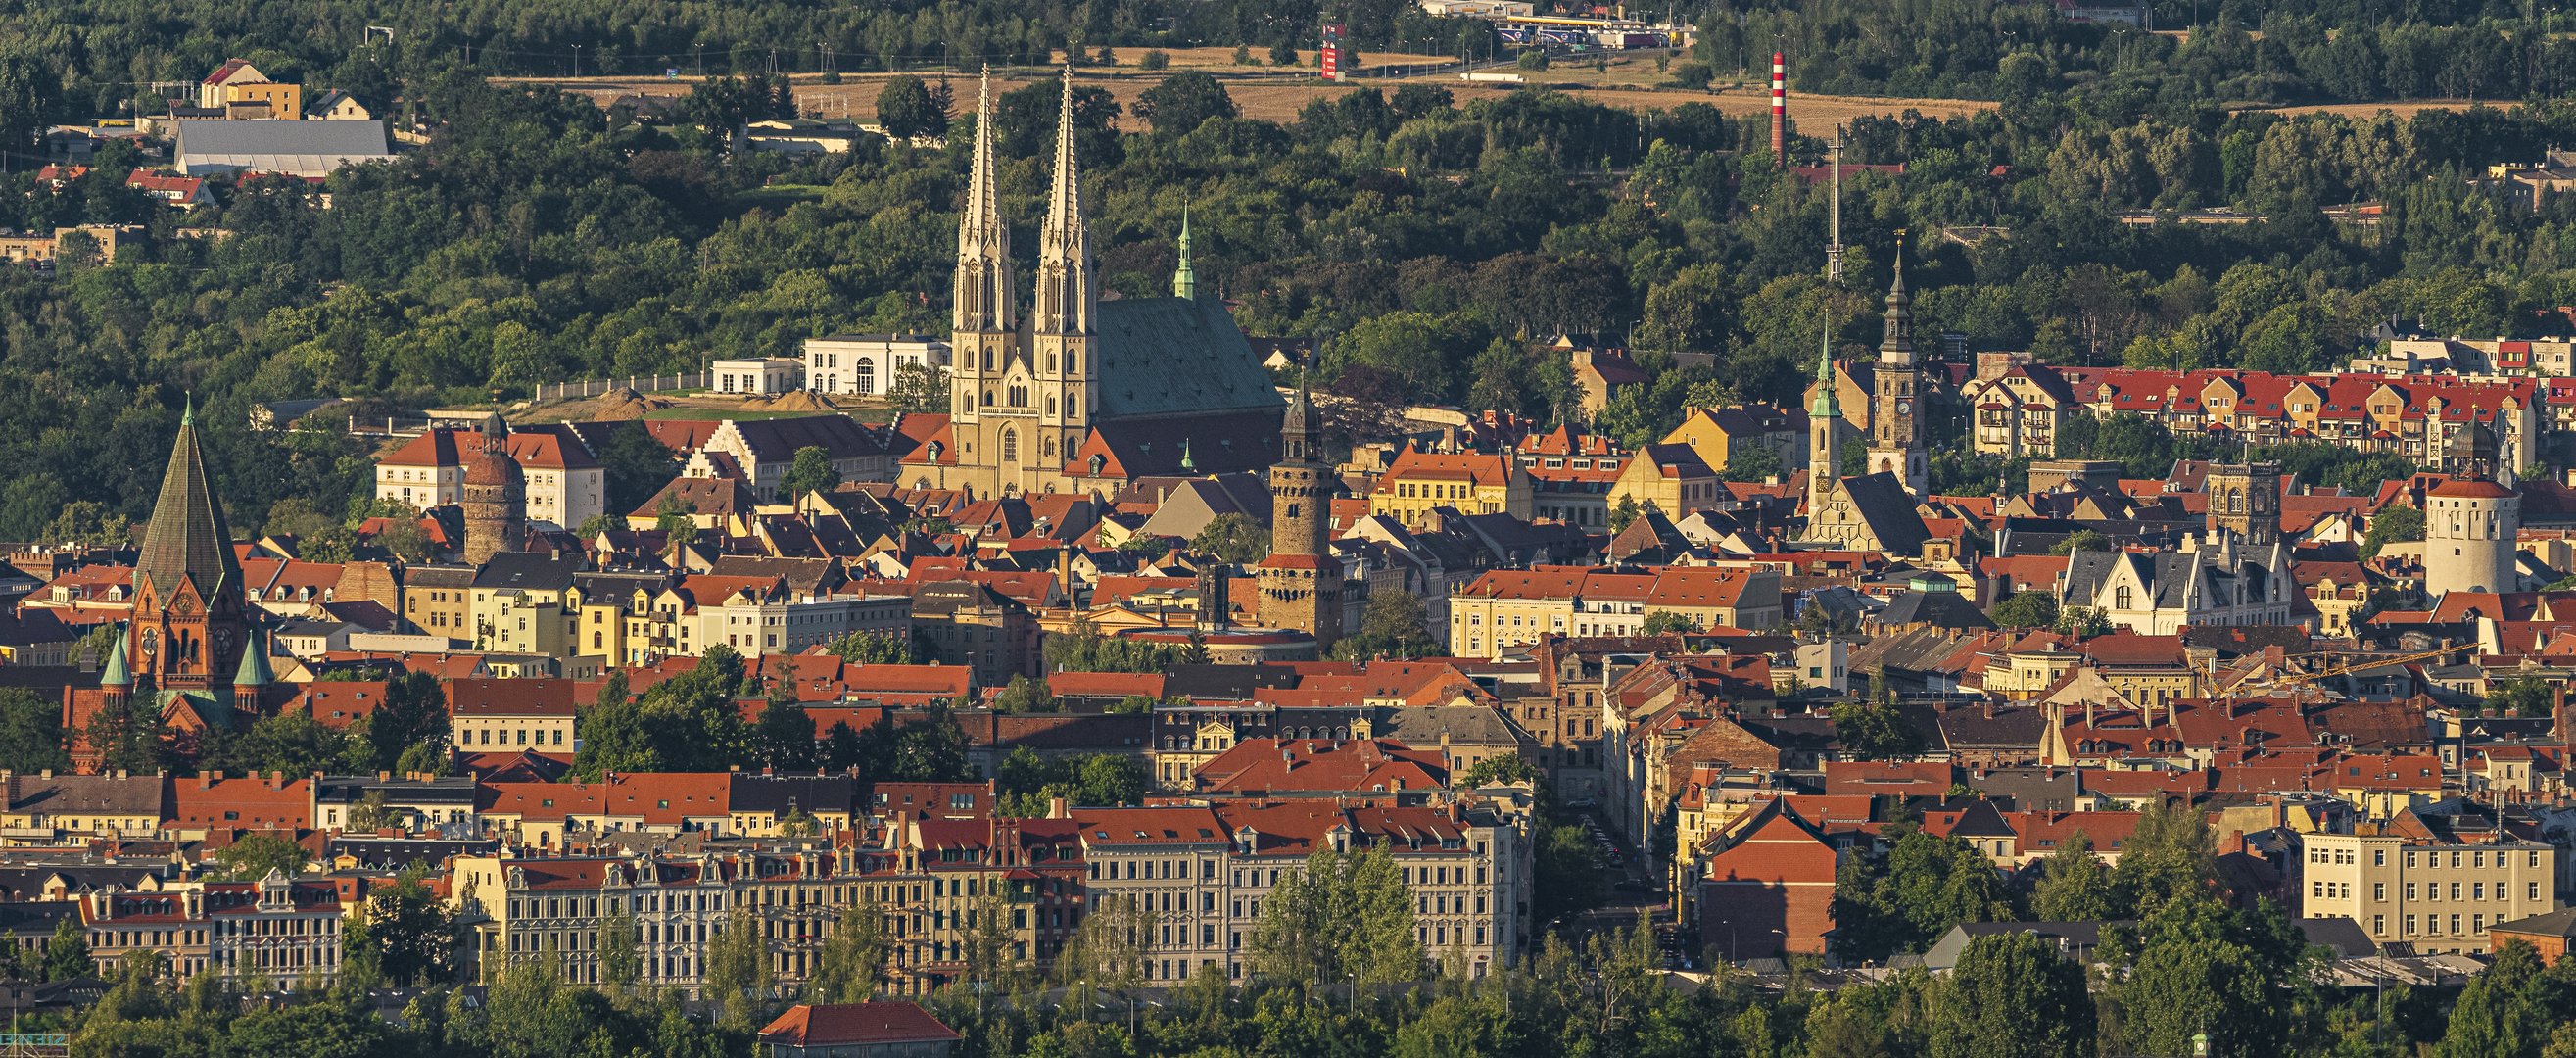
point(1834, 251)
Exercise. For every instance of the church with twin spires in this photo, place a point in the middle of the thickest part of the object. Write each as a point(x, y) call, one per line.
point(1083, 393)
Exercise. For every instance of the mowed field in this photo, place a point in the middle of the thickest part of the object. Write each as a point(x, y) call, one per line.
point(1266, 94)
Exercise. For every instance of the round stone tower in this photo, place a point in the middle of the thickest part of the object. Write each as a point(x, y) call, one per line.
point(495, 502)
point(2470, 521)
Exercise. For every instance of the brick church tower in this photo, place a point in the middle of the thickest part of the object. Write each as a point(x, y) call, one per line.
point(190, 618)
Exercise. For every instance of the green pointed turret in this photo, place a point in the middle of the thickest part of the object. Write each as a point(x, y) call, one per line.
point(1825, 404)
point(1185, 283)
point(1186, 462)
point(254, 666)
point(117, 673)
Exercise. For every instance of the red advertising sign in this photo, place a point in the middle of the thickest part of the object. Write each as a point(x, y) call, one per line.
point(1331, 57)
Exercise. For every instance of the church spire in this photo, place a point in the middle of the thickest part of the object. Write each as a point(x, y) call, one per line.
point(1065, 295)
point(1185, 283)
point(1826, 402)
point(984, 299)
point(1898, 346)
point(187, 537)
point(1824, 436)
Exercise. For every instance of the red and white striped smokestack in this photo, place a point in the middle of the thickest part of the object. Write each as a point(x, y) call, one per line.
point(1779, 109)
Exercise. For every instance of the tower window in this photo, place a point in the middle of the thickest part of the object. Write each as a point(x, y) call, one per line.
point(1010, 446)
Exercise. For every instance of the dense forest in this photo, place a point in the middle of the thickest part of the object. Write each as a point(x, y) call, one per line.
point(1433, 247)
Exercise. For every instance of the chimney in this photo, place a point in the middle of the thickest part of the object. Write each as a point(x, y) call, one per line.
point(1779, 110)
point(1986, 707)
point(1056, 809)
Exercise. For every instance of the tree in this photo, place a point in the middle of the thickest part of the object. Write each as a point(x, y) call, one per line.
point(1505, 769)
point(254, 855)
point(1533, 60)
point(1343, 915)
point(2084, 621)
point(737, 966)
point(413, 714)
point(621, 944)
point(128, 736)
point(874, 648)
point(853, 958)
point(812, 471)
point(2523, 696)
point(412, 933)
point(2205, 968)
point(919, 389)
point(67, 953)
point(2029, 608)
point(1394, 624)
point(1283, 54)
point(2396, 523)
point(2012, 996)
point(1906, 898)
point(2507, 1011)
point(31, 734)
point(1183, 101)
point(1666, 622)
point(2073, 885)
point(783, 737)
point(1875, 731)
point(1233, 538)
point(2172, 853)
point(905, 109)
point(1107, 951)
point(1622, 513)
point(2080, 540)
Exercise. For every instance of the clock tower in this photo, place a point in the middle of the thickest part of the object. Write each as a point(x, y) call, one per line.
point(190, 618)
point(1896, 394)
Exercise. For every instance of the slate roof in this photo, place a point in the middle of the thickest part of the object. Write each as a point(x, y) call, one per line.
point(1940, 609)
point(187, 536)
point(528, 569)
point(1177, 357)
point(1882, 503)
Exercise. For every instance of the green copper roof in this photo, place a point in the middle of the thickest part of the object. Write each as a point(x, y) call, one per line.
point(254, 667)
point(1177, 356)
point(1185, 283)
point(117, 673)
point(1825, 403)
point(187, 537)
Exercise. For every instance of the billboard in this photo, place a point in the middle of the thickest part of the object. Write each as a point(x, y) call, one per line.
point(1330, 60)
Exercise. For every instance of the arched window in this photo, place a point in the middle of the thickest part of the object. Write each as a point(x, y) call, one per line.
point(866, 379)
point(1011, 446)
point(1046, 446)
point(1050, 404)
point(1072, 362)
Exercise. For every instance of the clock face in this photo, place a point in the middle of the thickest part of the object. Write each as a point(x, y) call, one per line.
point(1905, 407)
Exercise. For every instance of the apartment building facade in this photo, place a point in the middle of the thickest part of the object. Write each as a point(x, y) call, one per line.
point(2431, 889)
